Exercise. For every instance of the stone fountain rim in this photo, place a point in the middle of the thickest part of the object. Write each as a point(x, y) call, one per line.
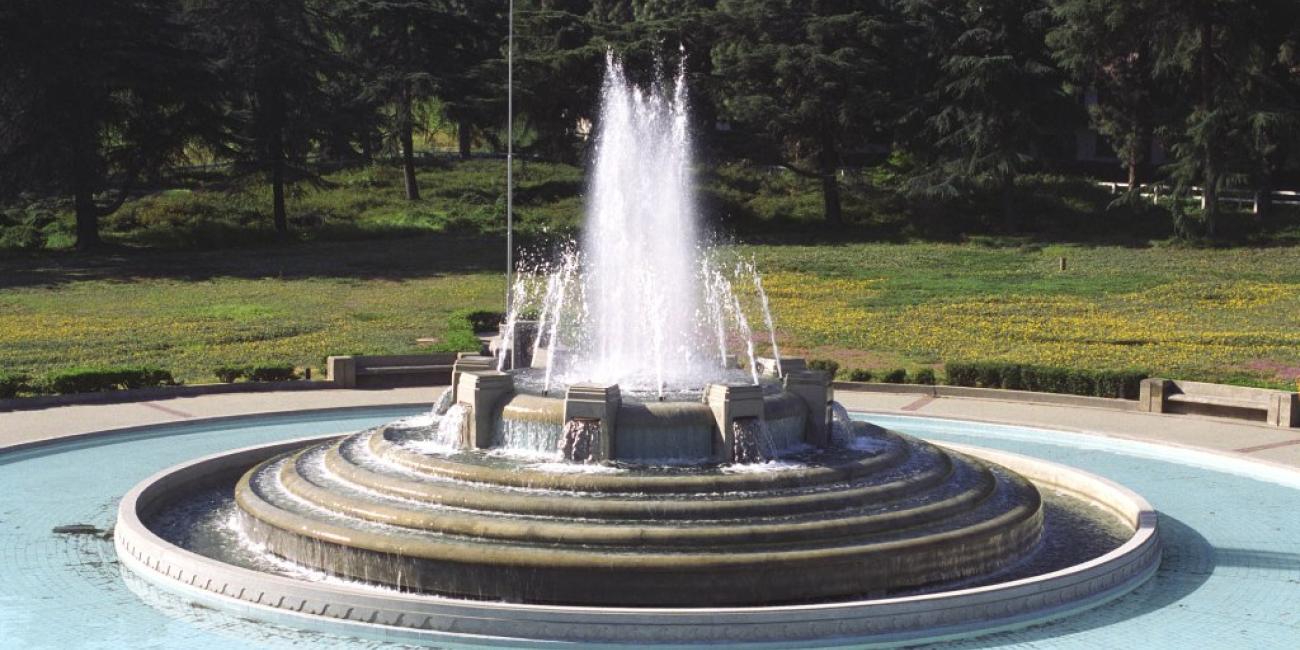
point(424, 616)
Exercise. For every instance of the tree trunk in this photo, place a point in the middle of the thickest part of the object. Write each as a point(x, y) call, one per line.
point(83, 194)
point(1008, 198)
point(1264, 196)
point(408, 149)
point(465, 138)
point(829, 167)
point(87, 219)
point(1133, 158)
point(275, 152)
point(367, 146)
point(1210, 195)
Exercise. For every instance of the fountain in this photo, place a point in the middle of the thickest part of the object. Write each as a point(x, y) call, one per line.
point(625, 457)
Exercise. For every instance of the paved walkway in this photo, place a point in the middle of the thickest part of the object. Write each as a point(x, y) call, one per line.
point(1238, 437)
point(1221, 435)
point(18, 427)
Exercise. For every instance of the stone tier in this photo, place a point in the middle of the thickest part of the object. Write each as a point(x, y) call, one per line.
point(840, 525)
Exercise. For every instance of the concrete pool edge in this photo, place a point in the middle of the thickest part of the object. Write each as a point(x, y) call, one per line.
point(394, 615)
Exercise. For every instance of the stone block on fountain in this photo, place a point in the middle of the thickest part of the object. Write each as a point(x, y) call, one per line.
point(814, 388)
point(519, 348)
point(468, 362)
point(730, 402)
point(770, 367)
point(596, 402)
point(483, 391)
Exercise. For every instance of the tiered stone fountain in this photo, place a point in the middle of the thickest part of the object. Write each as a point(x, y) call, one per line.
point(876, 514)
point(624, 468)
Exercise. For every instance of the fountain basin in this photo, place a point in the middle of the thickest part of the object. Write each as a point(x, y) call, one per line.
point(438, 618)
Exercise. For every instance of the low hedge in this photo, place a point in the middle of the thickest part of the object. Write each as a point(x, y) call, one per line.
point(485, 321)
point(460, 335)
point(12, 383)
point(898, 376)
point(828, 366)
point(1046, 379)
point(96, 380)
point(230, 374)
point(265, 372)
point(272, 373)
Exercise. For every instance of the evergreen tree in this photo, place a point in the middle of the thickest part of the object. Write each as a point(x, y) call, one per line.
point(272, 58)
point(1207, 46)
point(473, 88)
point(93, 95)
point(997, 97)
point(408, 49)
point(813, 77)
point(1105, 47)
point(559, 58)
point(1272, 99)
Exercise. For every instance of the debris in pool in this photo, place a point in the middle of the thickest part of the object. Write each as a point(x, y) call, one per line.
point(83, 529)
point(77, 529)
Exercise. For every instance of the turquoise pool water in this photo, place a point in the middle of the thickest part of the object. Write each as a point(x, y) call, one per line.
point(1230, 576)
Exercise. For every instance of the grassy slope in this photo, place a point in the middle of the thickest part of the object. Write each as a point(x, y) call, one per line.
point(1209, 314)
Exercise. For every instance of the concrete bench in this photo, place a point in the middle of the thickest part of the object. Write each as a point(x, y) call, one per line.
point(386, 371)
point(1274, 407)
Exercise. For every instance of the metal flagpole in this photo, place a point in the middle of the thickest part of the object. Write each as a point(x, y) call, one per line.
point(510, 156)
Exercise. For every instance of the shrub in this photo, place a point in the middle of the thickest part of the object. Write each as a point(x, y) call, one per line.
point(828, 366)
point(460, 334)
point(12, 383)
point(924, 376)
point(272, 373)
point(230, 374)
point(485, 321)
point(898, 376)
point(859, 374)
point(1047, 379)
point(94, 380)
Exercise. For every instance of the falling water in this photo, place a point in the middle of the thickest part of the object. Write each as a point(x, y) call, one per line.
point(443, 402)
point(751, 441)
point(580, 437)
point(767, 317)
point(451, 428)
point(641, 303)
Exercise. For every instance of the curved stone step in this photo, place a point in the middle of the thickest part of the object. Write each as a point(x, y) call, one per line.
point(471, 468)
point(545, 503)
point(553, 573)
point(820, 525)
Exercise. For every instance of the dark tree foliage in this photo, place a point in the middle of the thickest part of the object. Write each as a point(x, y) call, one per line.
point(558, 63)
point(997, 99)
point(473, 86)
point(1206, 46)
point(408, 50)
point(271, 58)
point(1105, 47)
point(812, 77)
point(1273, 101)
point(95, 94)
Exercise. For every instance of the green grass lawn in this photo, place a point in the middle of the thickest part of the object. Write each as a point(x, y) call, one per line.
point(1221, 315)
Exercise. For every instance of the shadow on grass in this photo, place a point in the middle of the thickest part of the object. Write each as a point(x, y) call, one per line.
point(386, 259)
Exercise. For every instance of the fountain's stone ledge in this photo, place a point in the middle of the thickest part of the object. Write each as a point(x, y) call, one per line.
point(432, 617)
point(732, 422)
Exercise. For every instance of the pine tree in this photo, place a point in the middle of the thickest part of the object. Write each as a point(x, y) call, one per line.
point(93, 96)
point(813, 78)
point(409, 50)
point(271, 58)
point(1206, 46)
point(1105, 47)
point(996, 99)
